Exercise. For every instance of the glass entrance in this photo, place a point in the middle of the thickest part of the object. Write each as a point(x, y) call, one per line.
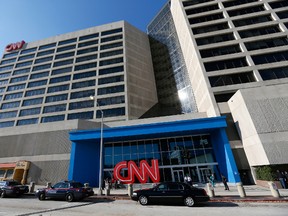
point(178, 175)
point(205, 174)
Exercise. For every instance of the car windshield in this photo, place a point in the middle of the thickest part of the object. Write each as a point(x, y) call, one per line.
point(12, 183)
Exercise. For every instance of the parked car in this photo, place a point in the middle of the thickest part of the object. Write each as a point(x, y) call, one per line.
point(65, 190)
point(171, 193)
point(12, 188)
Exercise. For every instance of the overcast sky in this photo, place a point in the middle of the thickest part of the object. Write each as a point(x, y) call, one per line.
point(32, 20)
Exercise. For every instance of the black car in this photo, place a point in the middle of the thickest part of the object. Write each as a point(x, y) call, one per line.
point(12, 188)
point(65, 190)
point(171, 193)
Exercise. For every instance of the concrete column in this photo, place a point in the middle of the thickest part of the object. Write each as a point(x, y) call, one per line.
point(241, 189)
point(274, 190)
point(210, 190)
point(31, 187)
point(130, 189)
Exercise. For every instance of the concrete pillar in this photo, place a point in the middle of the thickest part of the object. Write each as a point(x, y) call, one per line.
point(130, 189)
point(210, 190)
point(274, 190)
point(241, 189)
point(31, 187)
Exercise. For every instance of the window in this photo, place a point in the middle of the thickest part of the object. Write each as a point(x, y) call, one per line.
point(39, 75)
point(247, 10)
point(84, 75)
point(225, 64)
point(6, 124)
point(47, 46)
point(11, 114)
point(113, 79)
point(210, 28)
point(27, 121)
point(33, 101)
point(60, 79)
point(9, 55)
point(23, 64)
point(52, 118)
point(58, 88)
point(232, 79)
point(111, 53)
point(61, 71)
point(278, 4)
point(88, 50)
point(223, 97)
point(263, 44)
point(111, 31)
point(28, 50)
point(10, 105)
point(32, 111)
point(86, 58)
point(111, 100)
point(112, 112)
point(237, 2)
point(81, 115)
point(4, 75)
point(111, 90)
point(202, 9)
point(206, 18)
point(2, 90)
point(259, 31)
point(220, 51)
point(88, 43)
point(55, 98)
point(111, 61)
point(61, 49)
point(18, 79)
point(37, 83)
point(82, 94)
point(215, 39)
point(67, 41)
point(270, 57)
point(86, 37)
point(16, 87)
point(85, 66)
point(35, 92)
point(41, 67)
point(110, 46)
point(13, 96)
point(21, 71)
point(111, 70)
point(282, 14)
point(83, 84)
point(45, 52)
point(64, 55)
point(55, 108)
point(41, 60)
point(6, 68)
point(26, 57)
point(8, 61)
point(116, 37)
point(274, 73)
point(61, 63)
point(194, 2)
point(3, 82)
point(252, 20)
point(81, 105)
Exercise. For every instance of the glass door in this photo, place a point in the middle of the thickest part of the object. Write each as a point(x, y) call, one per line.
point(205, 174)
point(178, 176)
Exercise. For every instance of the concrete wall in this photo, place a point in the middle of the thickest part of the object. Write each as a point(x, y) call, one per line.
point(261, 115)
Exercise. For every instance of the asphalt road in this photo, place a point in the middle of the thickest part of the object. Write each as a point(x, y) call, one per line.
point(30, 206)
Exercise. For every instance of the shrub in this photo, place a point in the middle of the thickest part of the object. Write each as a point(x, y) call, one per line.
point(265, 173)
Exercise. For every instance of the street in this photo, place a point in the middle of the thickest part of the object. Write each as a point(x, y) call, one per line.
point(30, 206)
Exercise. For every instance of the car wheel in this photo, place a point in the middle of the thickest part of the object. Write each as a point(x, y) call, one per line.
point(69, 197)
point(189, 201)
point(143, 200)
point(42, 196)
point(3, 194)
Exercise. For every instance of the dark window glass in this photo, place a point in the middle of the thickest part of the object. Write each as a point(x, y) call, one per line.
point(23, 64)
point(84, 75)
point(61, 71)
point(35, 92)
point(47, 52)
point(210, 28)
point(201, 9)
point(82, 94)
point(225, 64)
point(39, 75)
point(274, 73)
point(64, 55)
point(18, 79)
point(110, 46)
point(113, 79)
point(263, 44)
point(259, 31)
point(88, 50)
point(86, 58)
point(223, 97)
point(88, 43)
point(58, 88)
point(237, 2)
point(194, 2)
point(247, 10)
point(61, 49)
point(55, 108)
point(112, 38)
point(9, 55)
point(61, 63)
point(28, 50)
point(11, 114)
point(16, 87)
point(81, 115)
point(52, 118)
point(111, 90)
point(81, 105)
point(206, 18)
point(111, 70)
point(41, 60)
point(83, 84)
point(111, 100)
point(3, 62)
point(86, 37)
point(282, 14)
point(41, 67)
point(10, 105)
point(3, 82)
point(252, 20)
point(26, 57)
point(13, 96)
point(220, 51)
point(37, 83)
point(232, 79)
point(21, 71)
point(111, 31)
point(32, 111)
point(33, 101)
point(55, 98)
point(85, 66)
point(67, 41)
point(112, 112)
point(60, 79)
point(6, 124)
point(27, 121)
point(6, 68)
point(279, 4)
point(111, 61)
point(215, 39)
point(270, 57)
point(4, 75)
point(111, 53)
point(47, 46)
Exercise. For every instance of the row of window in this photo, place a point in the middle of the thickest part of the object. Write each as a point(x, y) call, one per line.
point(82, 115)
point(226, 4)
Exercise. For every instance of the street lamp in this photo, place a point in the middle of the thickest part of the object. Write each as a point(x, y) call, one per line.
point(101, 145)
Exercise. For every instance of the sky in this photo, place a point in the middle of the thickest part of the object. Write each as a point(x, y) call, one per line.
point(32, 20)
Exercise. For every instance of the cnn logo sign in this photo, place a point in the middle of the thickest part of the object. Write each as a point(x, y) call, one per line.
point(142, 172)
point(14, 46)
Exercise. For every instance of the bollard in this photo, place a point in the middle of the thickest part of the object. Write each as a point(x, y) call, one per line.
point(48, 185)
point(130, 189)
point(107, 188)
point(274, 190)
point(240, 189)
point(210, 190)
point(32, 186)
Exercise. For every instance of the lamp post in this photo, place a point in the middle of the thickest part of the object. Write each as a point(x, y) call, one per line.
point(101, 145)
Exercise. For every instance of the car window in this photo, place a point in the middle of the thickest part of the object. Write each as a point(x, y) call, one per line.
point(13, 183)
point(173, 187)
point(76, 185)
point(2, 183)
point(58, 185)
point(162, 187)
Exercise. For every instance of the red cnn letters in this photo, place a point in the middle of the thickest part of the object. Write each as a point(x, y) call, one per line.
point(14, 46)
point(142, 173)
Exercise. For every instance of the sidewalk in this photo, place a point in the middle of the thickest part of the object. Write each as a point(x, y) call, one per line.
point(254, 193)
